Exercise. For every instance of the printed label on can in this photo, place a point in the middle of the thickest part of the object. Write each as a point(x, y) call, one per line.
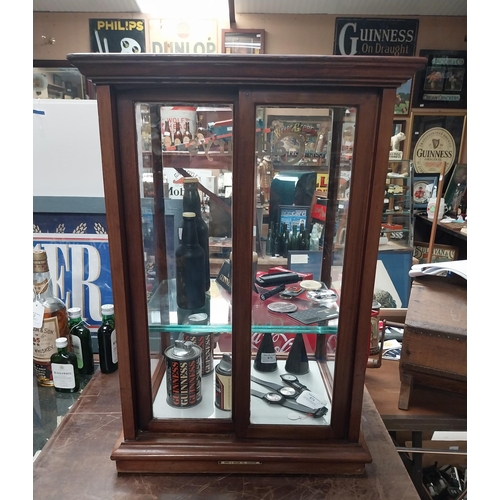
point(205, 342)
point(183, 377)
point(223, 391)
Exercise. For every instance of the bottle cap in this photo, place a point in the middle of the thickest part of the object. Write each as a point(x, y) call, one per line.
point(40, 261)
point(74, 312)
point(190, 180)
point(61, 342)
point(107, 309)
point(198, 319)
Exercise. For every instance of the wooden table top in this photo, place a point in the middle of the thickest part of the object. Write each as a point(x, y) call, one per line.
point(76, 463)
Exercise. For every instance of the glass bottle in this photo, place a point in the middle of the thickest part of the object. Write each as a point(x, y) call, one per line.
point(190, 266)
point(294, 242)
point(167, 136)
point(50, 319)
point(286, 241)
point(177, 134)
point(297, 362)
point(265, 360)
point(200, 131)
point(191, 203)
point(314, 241)
point(106, 339)
point(81, 341)
point(270, 239)
point(64, 367)
point(187, 137)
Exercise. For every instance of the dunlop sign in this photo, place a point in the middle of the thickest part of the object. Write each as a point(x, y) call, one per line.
point(375, 37)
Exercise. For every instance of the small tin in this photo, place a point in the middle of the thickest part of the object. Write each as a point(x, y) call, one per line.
point(223, 383)
point(204, 340)
point(183, 367)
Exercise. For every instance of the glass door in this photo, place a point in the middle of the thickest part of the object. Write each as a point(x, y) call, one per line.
point(303, 167)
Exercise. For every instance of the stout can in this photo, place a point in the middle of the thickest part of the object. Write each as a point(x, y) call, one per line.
point(204, 340)
point(183, 367)
point(223, 384)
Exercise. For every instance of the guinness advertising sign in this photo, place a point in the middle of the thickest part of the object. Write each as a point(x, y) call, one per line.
point(434, 147)
point(375, 37)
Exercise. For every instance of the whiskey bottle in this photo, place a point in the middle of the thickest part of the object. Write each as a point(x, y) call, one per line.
point(50, 319)
point(106, 340)
point(177, 134)
point(64, 367)
point(167, 136)
point(265, 360)
point(187, 137)
point(81, 341)
point(191, 203)
point(190, 266)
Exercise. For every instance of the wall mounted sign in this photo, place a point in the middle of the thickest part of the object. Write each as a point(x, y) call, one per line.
point(175, 36)
point(434, 146)
point(442, 83)
point(117, 35)
point(453, 123)
point(358, 36)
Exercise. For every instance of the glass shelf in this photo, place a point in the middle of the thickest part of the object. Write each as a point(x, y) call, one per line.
point(163, 314)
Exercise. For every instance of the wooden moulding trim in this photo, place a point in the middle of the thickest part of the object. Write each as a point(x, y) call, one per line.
point(261, 69)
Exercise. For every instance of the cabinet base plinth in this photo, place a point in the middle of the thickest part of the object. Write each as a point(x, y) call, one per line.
point(224, 455)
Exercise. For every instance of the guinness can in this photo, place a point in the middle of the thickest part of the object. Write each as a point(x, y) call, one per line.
point(183, 367)
point(204, 340)
point(223, 383)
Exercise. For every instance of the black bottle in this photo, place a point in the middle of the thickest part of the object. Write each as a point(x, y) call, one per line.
point(81, 341)
point(297, 362)
point(64, 368)
point(265, 360)
point(106, 339)
point(191, 203)
point(190, 266)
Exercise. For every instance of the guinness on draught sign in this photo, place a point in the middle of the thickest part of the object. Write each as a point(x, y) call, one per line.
point(375, 37)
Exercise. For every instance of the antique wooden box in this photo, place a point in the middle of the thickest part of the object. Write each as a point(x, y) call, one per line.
point(434, 350)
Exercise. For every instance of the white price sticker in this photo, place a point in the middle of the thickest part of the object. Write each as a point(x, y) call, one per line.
point(37, 314)
point(310, 400)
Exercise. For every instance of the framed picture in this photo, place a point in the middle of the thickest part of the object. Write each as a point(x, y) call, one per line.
point(244, 41)
point(440, 253)
point(443, 81)
point(294, 215)
point(298, 140)
point(398, 126)
point(403, 98)
point(456, 191)
point(57, 80)
point(436, 139)
point(422, 190)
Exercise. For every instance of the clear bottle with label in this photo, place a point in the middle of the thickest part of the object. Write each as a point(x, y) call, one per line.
point(50, 319)
point(106, 339)
point(64, 367)
point(265, 360)
point(81, 341)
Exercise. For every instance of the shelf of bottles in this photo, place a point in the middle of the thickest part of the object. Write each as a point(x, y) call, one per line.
point(189, 304)
point(397, 217)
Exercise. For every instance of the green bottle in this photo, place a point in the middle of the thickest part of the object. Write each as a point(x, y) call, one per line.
point(106, 339)
point(81, 341)
point(64, 368)
point(294, 242)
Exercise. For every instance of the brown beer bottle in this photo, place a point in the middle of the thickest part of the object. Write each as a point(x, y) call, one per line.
point(177, 134)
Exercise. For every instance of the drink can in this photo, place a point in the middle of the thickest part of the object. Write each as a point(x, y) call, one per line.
point(204, 340)
point(223, 383)
point(183, 367)
point(375, 332)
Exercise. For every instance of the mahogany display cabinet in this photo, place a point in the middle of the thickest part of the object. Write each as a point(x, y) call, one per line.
point(290, 113)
